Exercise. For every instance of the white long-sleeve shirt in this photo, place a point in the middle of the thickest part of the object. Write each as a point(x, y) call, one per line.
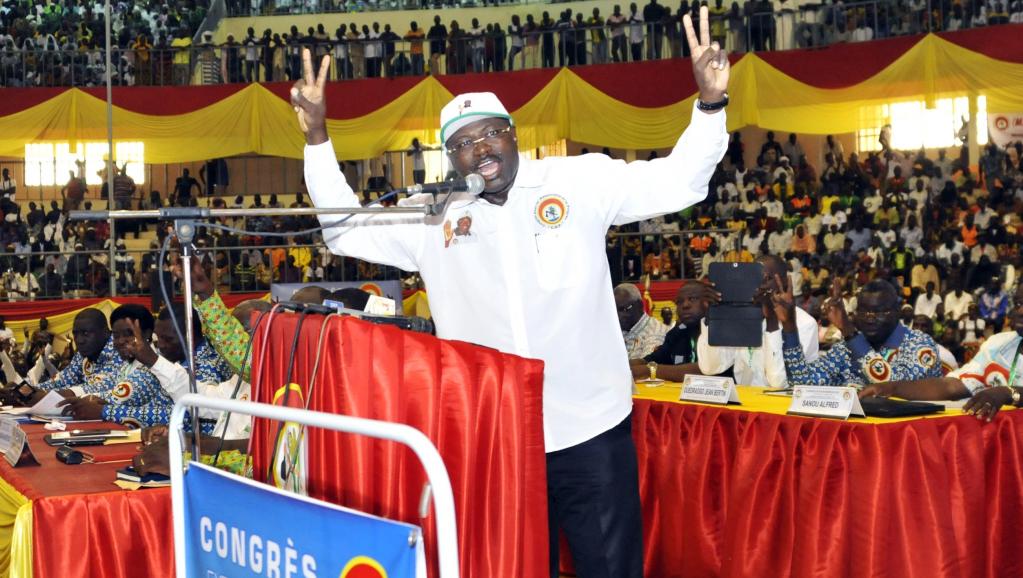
point(764, 365)
point(173, 378)
point(531, 277)
point(993, 364)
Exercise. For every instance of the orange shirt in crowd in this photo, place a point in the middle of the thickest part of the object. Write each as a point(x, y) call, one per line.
point(700, 243)
point(969, 236)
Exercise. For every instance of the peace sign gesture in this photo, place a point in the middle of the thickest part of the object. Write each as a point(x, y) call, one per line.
point(710, 62)
point(307, 98)
point(141, 347)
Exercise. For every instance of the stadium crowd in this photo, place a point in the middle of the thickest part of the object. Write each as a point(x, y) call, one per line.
point(61, 43)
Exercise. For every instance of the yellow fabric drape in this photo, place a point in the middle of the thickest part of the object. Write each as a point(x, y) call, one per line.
point(59, 324)
point(11, 505)
point(21, 543)
point(254, 120)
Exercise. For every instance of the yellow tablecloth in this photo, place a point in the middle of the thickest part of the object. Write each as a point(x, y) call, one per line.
point(754, 399)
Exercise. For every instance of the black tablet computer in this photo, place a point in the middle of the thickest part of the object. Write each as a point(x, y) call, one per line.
point(737, 321)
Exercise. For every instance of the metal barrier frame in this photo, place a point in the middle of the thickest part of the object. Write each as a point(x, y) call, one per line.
point(437, 474)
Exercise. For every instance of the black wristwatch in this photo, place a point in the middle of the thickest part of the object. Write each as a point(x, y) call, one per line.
point(712, 106)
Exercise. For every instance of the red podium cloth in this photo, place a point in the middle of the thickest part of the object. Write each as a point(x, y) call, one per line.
point(481, 408)
point(82, 524)
point(737, 494)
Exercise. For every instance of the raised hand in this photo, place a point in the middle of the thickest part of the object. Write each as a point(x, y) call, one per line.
point(143, 350)
point(784, 303)
point(201, 284)
point(307, 98)
point(710, 62)
point(839, 317)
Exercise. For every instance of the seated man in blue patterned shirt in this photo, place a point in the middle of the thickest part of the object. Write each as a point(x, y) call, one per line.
point(91, 367)
point(875, 348)
point(133, 396)
point(169, 366)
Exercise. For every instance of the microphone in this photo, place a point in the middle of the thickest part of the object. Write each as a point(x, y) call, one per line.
point(473, 184)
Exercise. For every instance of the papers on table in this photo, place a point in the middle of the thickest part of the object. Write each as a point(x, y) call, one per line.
point(48, 405)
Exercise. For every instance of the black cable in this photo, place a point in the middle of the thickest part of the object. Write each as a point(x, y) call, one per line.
point(309, 393)
point(177, 330)
point(287, 393)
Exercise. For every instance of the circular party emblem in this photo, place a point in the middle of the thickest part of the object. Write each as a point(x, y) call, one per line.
point(1001, 123)
point(372, 289)
point(551, 210)
point(363, 567)
point(878, 370)
point(122, 390)
point(927, 357)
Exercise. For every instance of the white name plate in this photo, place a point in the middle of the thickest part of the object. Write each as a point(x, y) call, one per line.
point(824, 401)
point(709, 389)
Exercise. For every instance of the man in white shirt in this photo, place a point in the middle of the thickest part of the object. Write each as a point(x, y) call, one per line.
point(535, 281)
point(950, 247)
point(982, 218)
point(927, 303)
point(773, 207)
point(764, 365)
point(957, 303)
point(779, 241)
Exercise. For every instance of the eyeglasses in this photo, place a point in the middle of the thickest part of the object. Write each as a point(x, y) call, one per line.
point(873, 315)
point(467, 143)
point(625, 308)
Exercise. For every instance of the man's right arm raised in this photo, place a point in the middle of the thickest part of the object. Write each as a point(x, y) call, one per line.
point(387, 239)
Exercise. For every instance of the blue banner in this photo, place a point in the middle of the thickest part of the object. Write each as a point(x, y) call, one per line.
point(237, 528)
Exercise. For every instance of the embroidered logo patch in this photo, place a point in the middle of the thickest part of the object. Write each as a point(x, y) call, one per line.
point(878, 369)
point(551, 211)
point(122, 390)
point(927, 357)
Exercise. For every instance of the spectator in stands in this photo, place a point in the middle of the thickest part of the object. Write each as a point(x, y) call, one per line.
point(8, 186)
point(124, 188)
point(764, 365)
point(875, 348)
point(928, 303)
point(642, 333)
point(183, 187)
point(51, 284)
point(994, 304)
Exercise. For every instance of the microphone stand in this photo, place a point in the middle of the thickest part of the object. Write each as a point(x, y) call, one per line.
point(185, 218)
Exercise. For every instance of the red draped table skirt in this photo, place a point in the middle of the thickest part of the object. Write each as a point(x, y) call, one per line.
point(737, 493)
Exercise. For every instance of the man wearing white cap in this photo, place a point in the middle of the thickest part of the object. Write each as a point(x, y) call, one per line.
point(522, 268)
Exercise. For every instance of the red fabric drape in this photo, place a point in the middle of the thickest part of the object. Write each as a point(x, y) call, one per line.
point(481, 408)
point(639, 84)
point(737, 494)
point(113, 535)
